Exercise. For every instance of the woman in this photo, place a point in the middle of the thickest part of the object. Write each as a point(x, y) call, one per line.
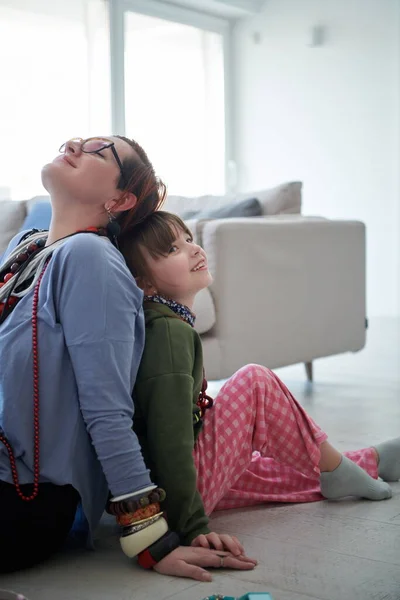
point(71, 338)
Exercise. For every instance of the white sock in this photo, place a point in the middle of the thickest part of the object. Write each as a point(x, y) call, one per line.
point(389, 459)
point(348, 479)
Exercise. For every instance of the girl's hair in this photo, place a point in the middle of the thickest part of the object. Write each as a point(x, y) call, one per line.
point(156, 233)
point(139, 179)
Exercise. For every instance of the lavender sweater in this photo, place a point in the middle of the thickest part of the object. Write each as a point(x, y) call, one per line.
point(91, 338)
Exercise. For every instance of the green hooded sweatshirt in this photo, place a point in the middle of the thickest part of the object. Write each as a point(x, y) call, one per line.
point(166, 417)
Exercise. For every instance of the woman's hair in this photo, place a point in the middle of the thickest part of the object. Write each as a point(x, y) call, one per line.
point(139, 179)
point(156, 233)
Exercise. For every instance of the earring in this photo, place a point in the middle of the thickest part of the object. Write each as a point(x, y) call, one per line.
point(113, 227)
point(109, 214)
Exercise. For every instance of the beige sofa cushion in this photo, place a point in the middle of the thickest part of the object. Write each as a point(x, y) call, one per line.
point(204, 304)
point(282, 199)
point(205, 312)
point(12, 217)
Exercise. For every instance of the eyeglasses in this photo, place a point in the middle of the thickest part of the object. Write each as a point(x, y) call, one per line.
point(95, 145)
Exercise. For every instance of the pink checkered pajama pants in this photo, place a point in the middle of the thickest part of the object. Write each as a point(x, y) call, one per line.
point(259, 445)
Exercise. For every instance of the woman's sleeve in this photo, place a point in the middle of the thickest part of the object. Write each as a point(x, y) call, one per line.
point(99, 308)
point(166, 403)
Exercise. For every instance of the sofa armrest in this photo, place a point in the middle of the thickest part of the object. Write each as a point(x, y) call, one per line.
point(286, 290)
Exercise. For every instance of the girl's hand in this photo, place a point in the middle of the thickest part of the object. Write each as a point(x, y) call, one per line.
point(186, 561)
point(219, 541)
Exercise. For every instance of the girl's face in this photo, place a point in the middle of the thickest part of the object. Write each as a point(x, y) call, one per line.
point(181, 273)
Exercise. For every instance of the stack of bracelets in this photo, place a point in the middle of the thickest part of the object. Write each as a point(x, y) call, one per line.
point(145, 532)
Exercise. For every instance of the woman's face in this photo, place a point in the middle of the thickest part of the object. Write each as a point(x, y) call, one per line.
point(89, 179)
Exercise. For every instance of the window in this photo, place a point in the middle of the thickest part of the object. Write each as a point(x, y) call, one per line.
point(170, 68)
point(162, 83)
point(54, 73)
point(174, 101)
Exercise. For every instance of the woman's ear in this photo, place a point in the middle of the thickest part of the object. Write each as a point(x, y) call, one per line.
point(126, 201)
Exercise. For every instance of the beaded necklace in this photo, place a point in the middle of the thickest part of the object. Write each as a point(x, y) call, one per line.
point(20, 260)
point(23, 270)
point(23, 266)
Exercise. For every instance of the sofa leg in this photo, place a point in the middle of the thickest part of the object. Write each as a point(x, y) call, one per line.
point(309, 370)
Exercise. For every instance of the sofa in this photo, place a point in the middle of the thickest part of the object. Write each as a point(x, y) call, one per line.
point(287, 288)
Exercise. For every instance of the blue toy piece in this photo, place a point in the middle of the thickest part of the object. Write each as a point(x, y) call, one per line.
point(249, 596)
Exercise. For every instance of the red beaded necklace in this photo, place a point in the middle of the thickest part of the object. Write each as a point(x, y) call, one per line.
point(16, 268)
point(21, 261)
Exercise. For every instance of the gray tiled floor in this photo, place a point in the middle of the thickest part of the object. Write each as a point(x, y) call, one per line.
point(346, 550)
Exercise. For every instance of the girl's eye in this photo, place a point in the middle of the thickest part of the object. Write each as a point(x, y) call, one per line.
point(99, 154)
point(173, 249)
point(190, 240)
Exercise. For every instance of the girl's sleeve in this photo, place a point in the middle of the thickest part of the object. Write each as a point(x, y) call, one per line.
point(99, 308)
point(166, 404)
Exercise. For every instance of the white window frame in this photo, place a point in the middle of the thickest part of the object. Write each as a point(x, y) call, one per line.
point(177, 14)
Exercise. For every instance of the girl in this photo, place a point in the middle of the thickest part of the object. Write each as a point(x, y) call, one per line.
point(255, 443)
point(71, 338)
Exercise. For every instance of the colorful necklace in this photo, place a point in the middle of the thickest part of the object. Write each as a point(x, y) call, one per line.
point(11, 269)
point(22, 268)
point(24, 260)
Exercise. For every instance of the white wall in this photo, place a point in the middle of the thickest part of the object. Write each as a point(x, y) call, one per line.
point(329, 116)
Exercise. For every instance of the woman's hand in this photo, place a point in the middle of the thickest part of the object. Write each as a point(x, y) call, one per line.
point(187, 561)
point(219, 541)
